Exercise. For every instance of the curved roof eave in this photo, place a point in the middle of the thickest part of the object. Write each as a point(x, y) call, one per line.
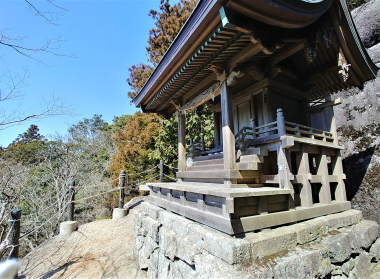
point(206, 12)
point(206, 18)
point(199, 17)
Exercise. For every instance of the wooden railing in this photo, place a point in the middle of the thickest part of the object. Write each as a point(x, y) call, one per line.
point(198, 149)
point(299, 130)
point(250, 136)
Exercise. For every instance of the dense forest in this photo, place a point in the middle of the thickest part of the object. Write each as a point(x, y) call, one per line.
point(37, 171)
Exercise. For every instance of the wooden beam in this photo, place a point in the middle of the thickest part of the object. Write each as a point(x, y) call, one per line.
point(322, 170)
point(244, 55)
point(229, 153)
point(290, 91)
point(285, 52)
point(181, 142)
point(203, 97)
point(206, 82)
point(252, 89)
point(321, 106)
point(254, 71)
point(306, 195)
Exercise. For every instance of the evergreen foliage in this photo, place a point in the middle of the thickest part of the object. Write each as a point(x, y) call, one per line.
point(27, 148)
point(352, 4)
point(168, 21)
point(134, 153)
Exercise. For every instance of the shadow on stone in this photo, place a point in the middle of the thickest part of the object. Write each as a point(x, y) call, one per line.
point(355, 168)
point(54, 271)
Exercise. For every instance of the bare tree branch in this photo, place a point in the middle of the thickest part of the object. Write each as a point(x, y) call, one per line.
point(7, 118)
point(38, 12)
point(27, 51)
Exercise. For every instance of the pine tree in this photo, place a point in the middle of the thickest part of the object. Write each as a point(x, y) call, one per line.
point(27, 148)
point(30, 135)
point(169, 20)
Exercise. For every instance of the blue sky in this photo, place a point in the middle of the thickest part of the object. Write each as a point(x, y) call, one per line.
point(100, 40)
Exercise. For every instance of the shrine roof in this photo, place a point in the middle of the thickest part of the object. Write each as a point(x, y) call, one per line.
point(314, 40)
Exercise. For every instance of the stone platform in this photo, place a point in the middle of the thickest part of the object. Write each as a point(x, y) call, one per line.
point(236, 210)
point(341, 245)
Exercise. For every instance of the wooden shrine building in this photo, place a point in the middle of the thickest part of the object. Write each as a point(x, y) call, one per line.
point(267, 69)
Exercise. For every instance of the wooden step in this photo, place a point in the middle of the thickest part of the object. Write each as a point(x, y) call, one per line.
point(208, 162)
point(209, 157)
point(254, 166)
point(256, 151)
point(252, 158)
point(218, 174)
point(206, 167)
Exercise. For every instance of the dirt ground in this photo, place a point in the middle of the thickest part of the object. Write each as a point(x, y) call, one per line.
point(101, 249)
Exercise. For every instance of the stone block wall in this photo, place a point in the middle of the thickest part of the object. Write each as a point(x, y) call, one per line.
point(341, 245)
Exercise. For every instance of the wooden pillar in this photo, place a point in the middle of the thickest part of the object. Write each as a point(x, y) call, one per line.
point(15, 233)
point(266, 113)
point(181, 142)
point(122, 185)
point(306, 195)
point(216, 128)
point(229, 153)
point(333, 129)
point(284, 174)
point(71, 207)
point(161, 169)
point(262, 205)
point(329, 113)
point(280, 122)
point(340, 191)
point(323, 173)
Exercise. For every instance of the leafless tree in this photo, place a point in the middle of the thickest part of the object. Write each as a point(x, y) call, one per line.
point(10, 85)
point(49, 16)
point(12, 179)
point(10, 90)
point(42, 190)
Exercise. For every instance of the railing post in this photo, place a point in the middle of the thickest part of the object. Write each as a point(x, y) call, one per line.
point(280, 122)
point(122, 185)
point(72, 201)
point(253, 124)
point(15, 235)
point(161, 171)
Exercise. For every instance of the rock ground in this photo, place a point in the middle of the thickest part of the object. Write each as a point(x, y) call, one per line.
point(101, 249)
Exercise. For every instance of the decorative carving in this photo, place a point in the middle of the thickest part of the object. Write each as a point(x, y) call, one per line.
point(208, 94)
point(344, 67)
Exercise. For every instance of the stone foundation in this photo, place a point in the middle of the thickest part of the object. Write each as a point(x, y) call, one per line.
point(341, 245)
